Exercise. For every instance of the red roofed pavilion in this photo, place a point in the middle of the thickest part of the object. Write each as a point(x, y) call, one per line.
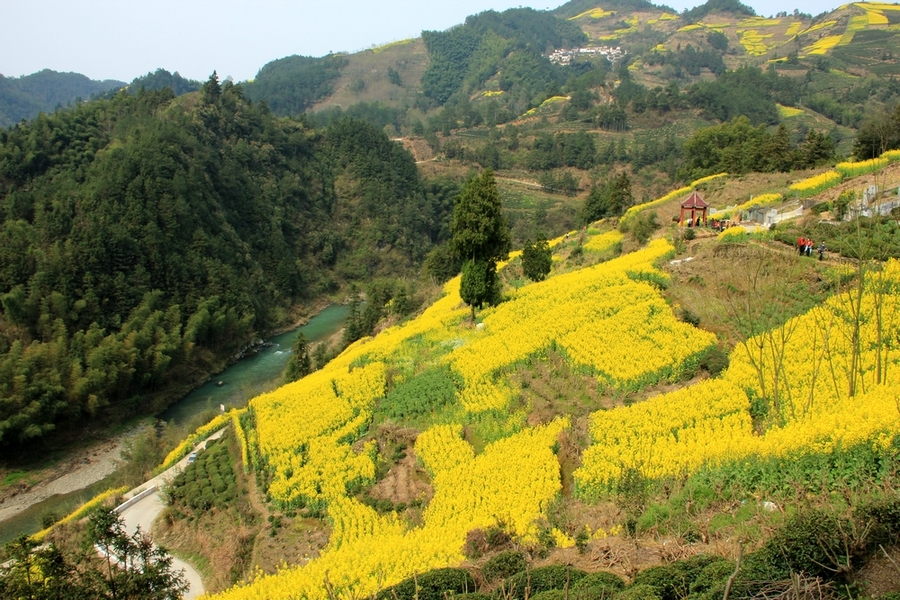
point(695, 204)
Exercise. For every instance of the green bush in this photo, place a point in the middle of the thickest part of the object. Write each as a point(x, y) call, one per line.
point(660, 579)
point(598, 579)
point(503, 565)
point(643, 226)
point(674, 581)
point(714, 360)
point(712, 578)
point(883, 517)
point(597, 586)
point(433, 585)
point(638, 592)
point(552, 577)
point(811, 542)
point(550, 595)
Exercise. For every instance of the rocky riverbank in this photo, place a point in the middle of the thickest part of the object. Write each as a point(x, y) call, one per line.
point(83, 467)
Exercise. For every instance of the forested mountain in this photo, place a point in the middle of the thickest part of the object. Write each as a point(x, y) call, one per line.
point(495, 67)
point(161, 78)
point(24, 97)
point(145, 238)
point(293, 84)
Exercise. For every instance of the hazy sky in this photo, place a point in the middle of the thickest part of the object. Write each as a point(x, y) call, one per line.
point(122, 39)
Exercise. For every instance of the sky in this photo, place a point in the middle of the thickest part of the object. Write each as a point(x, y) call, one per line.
point(124, 39)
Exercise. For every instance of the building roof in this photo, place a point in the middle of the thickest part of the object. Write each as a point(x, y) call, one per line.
point(694, 201)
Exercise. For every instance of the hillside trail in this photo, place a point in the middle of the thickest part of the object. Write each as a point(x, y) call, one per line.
point(519, 181)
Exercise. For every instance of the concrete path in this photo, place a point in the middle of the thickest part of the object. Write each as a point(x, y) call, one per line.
point(143, 512)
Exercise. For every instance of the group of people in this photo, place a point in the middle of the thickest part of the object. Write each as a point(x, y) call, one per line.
point(805, 246)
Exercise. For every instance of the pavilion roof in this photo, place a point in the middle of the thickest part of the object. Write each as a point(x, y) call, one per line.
point(694, 201)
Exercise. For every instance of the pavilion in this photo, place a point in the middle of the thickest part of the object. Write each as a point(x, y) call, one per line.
point(698, 208)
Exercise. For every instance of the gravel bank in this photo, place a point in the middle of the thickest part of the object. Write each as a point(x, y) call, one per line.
point(83, 468)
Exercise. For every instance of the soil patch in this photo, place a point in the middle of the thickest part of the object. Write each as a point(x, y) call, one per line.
point(405, 482)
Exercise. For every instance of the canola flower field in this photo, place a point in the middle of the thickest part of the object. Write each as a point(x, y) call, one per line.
point(609, 319)
point(709, 424)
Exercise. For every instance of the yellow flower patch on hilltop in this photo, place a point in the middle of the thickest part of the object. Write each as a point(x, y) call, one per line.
point(384, 47)
point(594, 13)
point(818, 26)
point(793, 29)
point(754, 42)
point(788, 111)
point(756, 22)
point(823, 45)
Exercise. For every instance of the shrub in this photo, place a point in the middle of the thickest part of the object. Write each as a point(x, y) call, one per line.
point(503, 565)
point(480, 541)
point(550, 595)
point(689, 317)
point(643, 226)
point(812, 542)
point(600, 578)
point(433, 585)
point(712, 578)
point(638, 592)
point(714, 360)
point(673, 582)
point(659, 579)
point(883, 516)
point(597, 586)
point(552, 577)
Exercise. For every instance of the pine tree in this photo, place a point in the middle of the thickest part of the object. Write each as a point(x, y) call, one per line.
point(300, 364)
point(480, 238)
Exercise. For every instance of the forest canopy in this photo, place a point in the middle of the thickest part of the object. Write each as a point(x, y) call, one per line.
point(146, 238)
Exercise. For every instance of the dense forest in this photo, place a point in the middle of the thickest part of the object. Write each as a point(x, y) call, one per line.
point(146, 238)
point(160, 78)
point(291, 85)
point(511, 43)
point(45, 91)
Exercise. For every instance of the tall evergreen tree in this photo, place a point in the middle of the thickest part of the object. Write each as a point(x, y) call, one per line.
point(480, 238)
point(299, 365)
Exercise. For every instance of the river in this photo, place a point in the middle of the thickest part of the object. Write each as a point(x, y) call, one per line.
point(243, 380)
point(255, 373)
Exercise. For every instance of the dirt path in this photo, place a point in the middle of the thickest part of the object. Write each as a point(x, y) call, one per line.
point(83, 468)
point(519, 181)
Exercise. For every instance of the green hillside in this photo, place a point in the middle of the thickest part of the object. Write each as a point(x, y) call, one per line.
point(654, 419)
point(46, 91)
point(491, 93)
point(147, 238)
point(633, 409)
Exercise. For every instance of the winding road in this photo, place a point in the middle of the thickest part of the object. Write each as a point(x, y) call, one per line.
point(144, 503)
